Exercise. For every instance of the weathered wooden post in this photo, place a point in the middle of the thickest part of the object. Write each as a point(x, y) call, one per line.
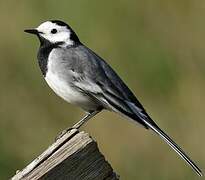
point(75, 156)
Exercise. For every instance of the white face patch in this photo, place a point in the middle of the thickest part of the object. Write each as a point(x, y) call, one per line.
point(62, 33)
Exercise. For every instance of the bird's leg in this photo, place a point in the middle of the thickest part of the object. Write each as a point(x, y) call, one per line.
point(85, 119)
point(79, 123)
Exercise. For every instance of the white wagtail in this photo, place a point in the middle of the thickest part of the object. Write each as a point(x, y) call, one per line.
point(81, 77)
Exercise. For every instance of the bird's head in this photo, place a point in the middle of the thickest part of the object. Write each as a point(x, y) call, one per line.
point(55, 31)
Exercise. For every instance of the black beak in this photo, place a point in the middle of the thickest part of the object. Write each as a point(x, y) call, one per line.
point(32, 31)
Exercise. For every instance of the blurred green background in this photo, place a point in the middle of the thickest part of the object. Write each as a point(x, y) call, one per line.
point(157, 47)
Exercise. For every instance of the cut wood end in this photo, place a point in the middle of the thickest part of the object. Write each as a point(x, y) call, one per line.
point(74, 156)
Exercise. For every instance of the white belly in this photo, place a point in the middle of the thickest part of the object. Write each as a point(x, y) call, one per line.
point(68, 93)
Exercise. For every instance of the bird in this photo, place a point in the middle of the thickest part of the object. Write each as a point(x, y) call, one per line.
point(81, 77)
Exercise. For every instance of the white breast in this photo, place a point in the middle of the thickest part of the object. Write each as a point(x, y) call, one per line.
point(61, 88)
point(59, 78)
point(68, 93)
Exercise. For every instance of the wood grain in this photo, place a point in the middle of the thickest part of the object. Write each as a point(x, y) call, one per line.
point(75, 156)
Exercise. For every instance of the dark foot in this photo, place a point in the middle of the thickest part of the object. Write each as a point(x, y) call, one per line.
point(62, 133)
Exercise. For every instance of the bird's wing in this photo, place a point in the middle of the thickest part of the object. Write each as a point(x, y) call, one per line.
point(101, 81)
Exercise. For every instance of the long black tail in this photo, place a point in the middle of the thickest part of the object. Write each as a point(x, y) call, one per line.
point(176, 148)
point(166, 138)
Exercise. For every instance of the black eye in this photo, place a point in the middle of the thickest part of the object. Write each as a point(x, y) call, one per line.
point(53, 31)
